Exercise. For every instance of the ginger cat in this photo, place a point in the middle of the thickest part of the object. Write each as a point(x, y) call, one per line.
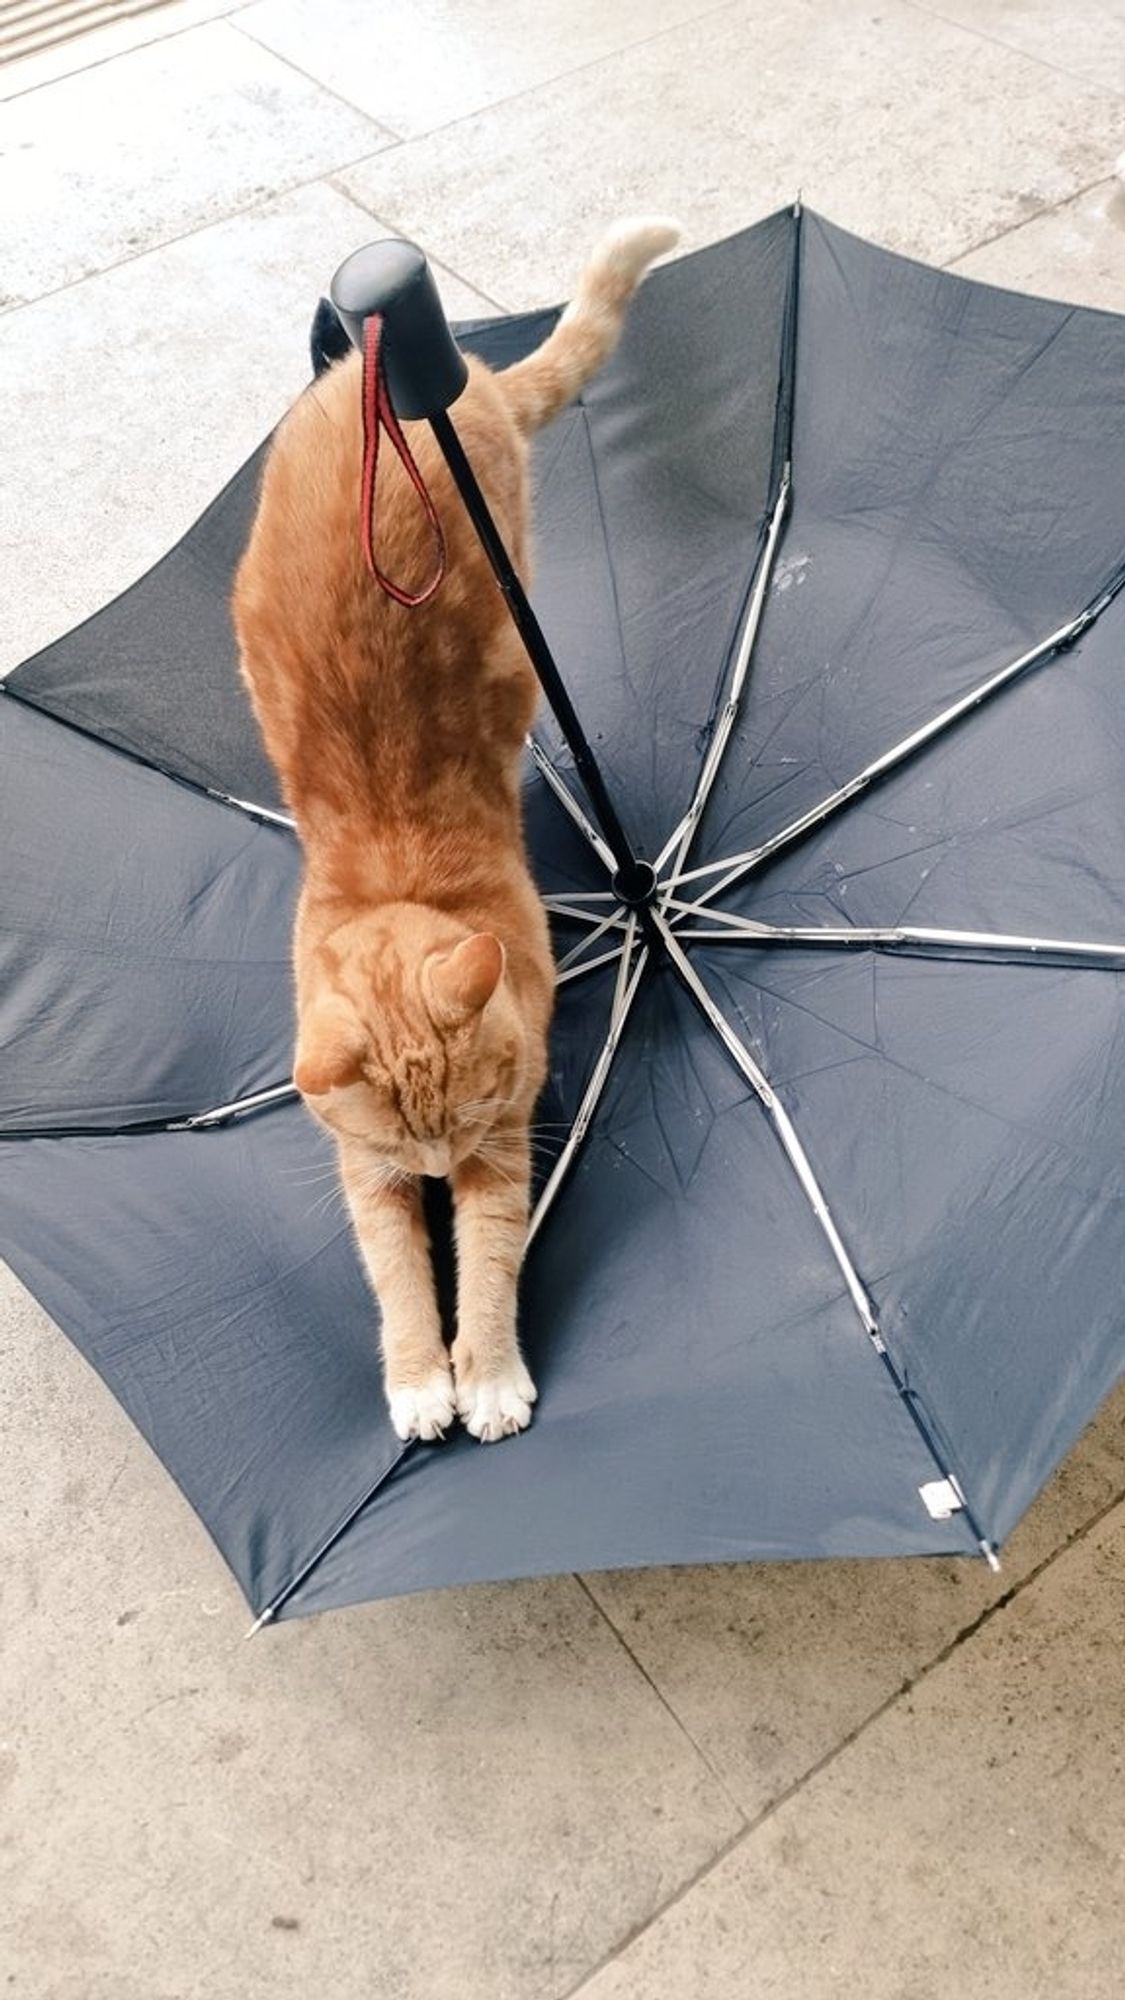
point(423, 965)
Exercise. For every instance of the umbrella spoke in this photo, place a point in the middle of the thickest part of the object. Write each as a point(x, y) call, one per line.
point(903, 937)
point(187, 1121)
point(737, 866)
point(734, 925)
point(782, 1123)
point(253, 811)
point(625, 991)
point(589, 965)
point(573, 905)
point(679, 841)
point(571, 806)
point(802, 1167)
point(239, 1107)
point(616, 920)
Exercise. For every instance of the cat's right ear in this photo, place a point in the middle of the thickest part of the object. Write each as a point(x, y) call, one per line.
point(458, 984)
point(330, 1049)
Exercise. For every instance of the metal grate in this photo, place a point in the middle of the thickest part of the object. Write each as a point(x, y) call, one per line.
point(26, 26)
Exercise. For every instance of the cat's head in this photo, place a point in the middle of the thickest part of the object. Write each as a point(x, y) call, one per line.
point(410, 1039)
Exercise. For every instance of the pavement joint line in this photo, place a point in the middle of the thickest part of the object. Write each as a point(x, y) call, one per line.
point(1013, 228)
point(698, 1875)
point(372, 215)
point(665, 1704)
point(116, 55)
point(327, 178)
point(564, 75)
point(906, 1687)
point(1012, 48)
point(318, 83)
point(322, 179)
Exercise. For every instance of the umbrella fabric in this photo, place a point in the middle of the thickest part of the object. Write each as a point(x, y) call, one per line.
point(833, 1270)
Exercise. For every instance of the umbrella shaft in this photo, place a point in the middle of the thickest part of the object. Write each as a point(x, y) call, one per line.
point(635, 881)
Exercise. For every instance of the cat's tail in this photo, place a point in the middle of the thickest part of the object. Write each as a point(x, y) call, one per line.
point(539, 387)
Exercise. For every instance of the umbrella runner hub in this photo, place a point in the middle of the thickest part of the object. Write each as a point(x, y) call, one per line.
point(635, 886)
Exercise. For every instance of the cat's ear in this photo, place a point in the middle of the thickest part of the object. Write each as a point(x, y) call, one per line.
point(330, 1048)
point(461, 982)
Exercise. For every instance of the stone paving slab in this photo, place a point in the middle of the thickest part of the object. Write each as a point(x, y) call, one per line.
point(114, 160)
point(771, 1666)
point(418, 64)
point(1076, 253)
point(720, 120)
point(1084, 37)
point(464, 1794)
point(972, 1841)
point(99, 45)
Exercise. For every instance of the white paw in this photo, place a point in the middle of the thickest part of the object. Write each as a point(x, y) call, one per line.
point(425, 1411)
point(498, 1406)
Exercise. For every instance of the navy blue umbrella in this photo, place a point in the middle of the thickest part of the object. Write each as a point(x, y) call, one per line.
point(827, 1252)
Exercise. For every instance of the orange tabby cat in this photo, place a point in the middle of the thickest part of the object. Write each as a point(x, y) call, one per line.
point(424, 970)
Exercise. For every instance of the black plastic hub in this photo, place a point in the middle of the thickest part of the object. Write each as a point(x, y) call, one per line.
point(635, 886)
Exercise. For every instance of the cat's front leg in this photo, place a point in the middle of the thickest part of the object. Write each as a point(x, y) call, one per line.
point(491, 1191)
point(395, 1246)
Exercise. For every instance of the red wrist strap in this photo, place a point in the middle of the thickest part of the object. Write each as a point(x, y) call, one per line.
point(379, 415)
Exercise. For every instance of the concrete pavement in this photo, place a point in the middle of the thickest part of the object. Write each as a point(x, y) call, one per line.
point(894, 1779)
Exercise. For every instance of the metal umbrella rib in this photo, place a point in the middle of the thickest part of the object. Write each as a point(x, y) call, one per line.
point(679, 841)
point(736, 867)
point(798, 1159)
point(727, 928)
point(626, 988)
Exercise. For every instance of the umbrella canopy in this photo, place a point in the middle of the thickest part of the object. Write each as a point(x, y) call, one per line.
point(832, 1213)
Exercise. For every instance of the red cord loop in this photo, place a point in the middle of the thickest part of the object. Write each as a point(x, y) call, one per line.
point(378, 414)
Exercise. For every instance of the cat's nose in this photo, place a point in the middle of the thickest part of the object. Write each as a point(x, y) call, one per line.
point(435, 1158)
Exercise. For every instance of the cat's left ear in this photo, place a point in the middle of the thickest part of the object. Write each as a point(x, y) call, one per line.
point(459, 984)
point(330, 1048)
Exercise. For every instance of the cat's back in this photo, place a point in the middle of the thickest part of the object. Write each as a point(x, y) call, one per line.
point(305, 554)
point(337, 670)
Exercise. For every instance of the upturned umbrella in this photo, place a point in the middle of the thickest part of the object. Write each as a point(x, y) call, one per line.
point(828, 1251)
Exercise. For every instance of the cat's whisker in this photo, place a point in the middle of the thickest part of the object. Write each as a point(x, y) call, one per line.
point(385, 1177)
point(501, 1143)
point(316, 1188)
point(469, 1113)
point(496, 1168)
point(332, 1199)
point(515, 1142)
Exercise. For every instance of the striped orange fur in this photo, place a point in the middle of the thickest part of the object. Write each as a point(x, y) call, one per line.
point(423, 967)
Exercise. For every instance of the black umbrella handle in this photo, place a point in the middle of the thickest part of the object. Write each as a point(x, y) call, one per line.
point(425, 374)
point(425, 369)
point(634, 880)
